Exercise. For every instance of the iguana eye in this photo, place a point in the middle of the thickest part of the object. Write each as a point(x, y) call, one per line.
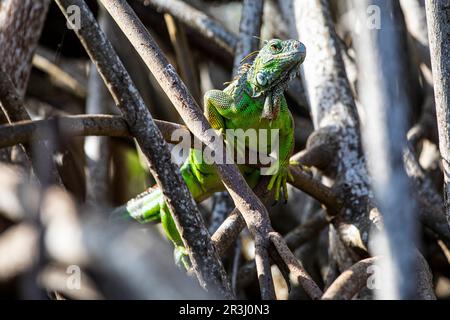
point(261, 79)
point(275, 47)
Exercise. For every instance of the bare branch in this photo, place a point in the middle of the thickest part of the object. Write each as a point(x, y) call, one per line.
point(351, 281)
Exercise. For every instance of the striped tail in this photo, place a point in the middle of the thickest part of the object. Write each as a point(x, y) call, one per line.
point(146, 207)
point(201, 180)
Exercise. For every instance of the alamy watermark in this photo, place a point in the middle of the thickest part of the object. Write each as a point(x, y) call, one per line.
point(259, 147)
point(73, 281)
point(73, 17)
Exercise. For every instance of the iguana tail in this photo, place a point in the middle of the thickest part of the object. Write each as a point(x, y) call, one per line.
point(200, 178)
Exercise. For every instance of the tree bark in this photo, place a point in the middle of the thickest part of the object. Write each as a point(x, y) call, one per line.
point(21, 23)
point(438, 14)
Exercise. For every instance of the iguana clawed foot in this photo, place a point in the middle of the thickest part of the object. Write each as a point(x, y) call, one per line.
point(280, 179)
point(180, 252)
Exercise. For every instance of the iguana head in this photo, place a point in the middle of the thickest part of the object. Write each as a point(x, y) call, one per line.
point(276, 63)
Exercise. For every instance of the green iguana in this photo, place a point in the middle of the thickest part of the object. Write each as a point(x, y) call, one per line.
point(253, 100)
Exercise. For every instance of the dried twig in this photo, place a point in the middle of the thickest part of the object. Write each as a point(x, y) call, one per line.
point(183, 52)
point(295, 266)
point(66, 76)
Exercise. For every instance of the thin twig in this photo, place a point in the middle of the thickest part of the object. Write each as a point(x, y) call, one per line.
point(229, 230)
point(42, 60)
point(183, 52)
point(294, 239)
point(22, 22)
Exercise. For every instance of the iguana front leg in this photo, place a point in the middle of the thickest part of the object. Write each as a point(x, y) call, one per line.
point(286, 145)
point(218, 107)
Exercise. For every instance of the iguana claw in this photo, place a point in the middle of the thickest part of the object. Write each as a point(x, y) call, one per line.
point(180, 252)
point(279, 180)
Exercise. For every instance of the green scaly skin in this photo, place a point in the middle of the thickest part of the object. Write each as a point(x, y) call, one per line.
point(253, 100)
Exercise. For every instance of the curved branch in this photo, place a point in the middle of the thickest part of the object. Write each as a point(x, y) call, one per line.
point(295, 267)
point(351, 281)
